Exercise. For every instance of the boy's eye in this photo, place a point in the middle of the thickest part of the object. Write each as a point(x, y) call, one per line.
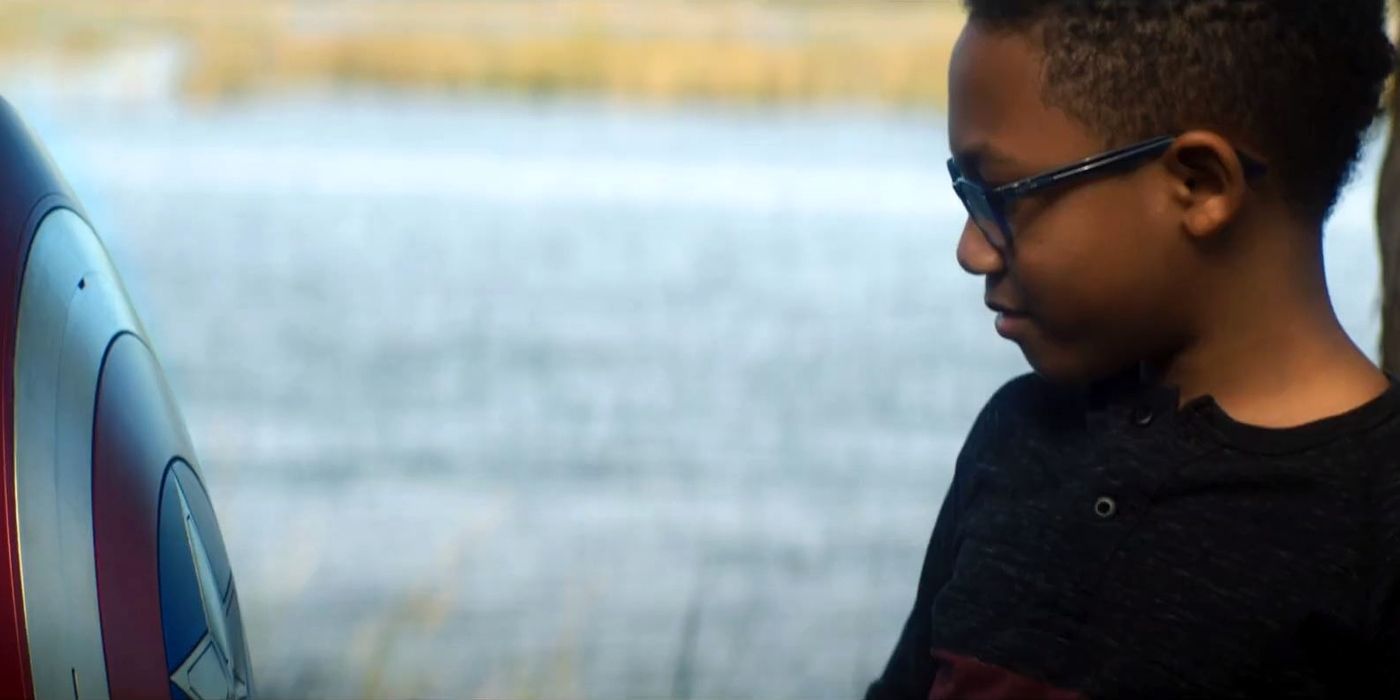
point(987, 183)
point(995, 180)
point(994, 176)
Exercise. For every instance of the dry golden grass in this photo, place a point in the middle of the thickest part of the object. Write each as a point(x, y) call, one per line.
point(745, 50)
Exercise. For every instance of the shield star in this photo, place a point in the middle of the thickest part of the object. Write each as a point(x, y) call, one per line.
point(210, 672)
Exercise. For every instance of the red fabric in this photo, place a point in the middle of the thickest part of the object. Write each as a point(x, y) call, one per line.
point(966, 678)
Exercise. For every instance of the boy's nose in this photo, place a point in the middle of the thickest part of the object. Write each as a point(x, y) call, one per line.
point(976, 254)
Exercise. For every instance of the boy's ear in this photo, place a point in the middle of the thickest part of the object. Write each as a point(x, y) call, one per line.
point(1207, 180)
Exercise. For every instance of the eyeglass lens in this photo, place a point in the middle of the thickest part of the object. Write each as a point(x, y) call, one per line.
point(982, 214)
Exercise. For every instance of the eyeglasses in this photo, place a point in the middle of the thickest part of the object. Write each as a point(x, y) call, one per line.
point(987, 207)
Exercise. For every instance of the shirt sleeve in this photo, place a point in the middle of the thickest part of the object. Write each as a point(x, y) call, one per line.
point(1379, 661)
point(911, 668)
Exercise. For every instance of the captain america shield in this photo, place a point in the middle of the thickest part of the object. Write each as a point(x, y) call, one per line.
point(114, 580)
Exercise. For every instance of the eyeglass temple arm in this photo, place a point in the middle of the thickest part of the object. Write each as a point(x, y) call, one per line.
point(1252, 168)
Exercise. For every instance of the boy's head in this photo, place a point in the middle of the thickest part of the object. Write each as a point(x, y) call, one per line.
point(1126, 264)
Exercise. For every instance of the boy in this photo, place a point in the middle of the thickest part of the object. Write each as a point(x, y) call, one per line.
point(1197, 493)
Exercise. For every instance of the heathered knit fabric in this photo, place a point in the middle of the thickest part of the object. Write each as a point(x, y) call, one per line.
point(1102, 543)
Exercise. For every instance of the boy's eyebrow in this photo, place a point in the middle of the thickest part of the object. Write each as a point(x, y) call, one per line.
point(969, 159)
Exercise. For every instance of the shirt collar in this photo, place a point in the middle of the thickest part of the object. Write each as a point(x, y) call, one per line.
point(1126, 397)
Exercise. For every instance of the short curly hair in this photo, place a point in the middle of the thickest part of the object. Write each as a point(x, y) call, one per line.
point(1298, 81)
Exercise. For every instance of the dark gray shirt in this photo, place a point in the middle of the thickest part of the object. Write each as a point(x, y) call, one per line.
point(1102, 543)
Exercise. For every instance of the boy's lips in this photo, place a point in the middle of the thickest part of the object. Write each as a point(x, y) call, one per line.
point(1010, 321)
point(1010, 326)
point(1005, 309)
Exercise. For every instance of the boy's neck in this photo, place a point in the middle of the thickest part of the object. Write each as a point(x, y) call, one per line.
point(1272, 352)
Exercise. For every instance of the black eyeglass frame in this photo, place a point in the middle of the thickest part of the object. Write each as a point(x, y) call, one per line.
point(990, 205)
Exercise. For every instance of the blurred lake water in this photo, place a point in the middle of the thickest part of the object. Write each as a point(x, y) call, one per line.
point(564, 399)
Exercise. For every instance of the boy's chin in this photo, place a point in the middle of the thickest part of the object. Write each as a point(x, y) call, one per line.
point(1060, 366)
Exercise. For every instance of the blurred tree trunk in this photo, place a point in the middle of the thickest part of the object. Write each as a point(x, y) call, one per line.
point(1388, 227)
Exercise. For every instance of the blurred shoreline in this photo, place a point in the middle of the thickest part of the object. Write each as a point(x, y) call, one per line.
point(887, 52)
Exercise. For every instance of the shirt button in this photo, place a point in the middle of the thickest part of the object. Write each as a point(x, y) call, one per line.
point(1105, 507)
point(1142, 416)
